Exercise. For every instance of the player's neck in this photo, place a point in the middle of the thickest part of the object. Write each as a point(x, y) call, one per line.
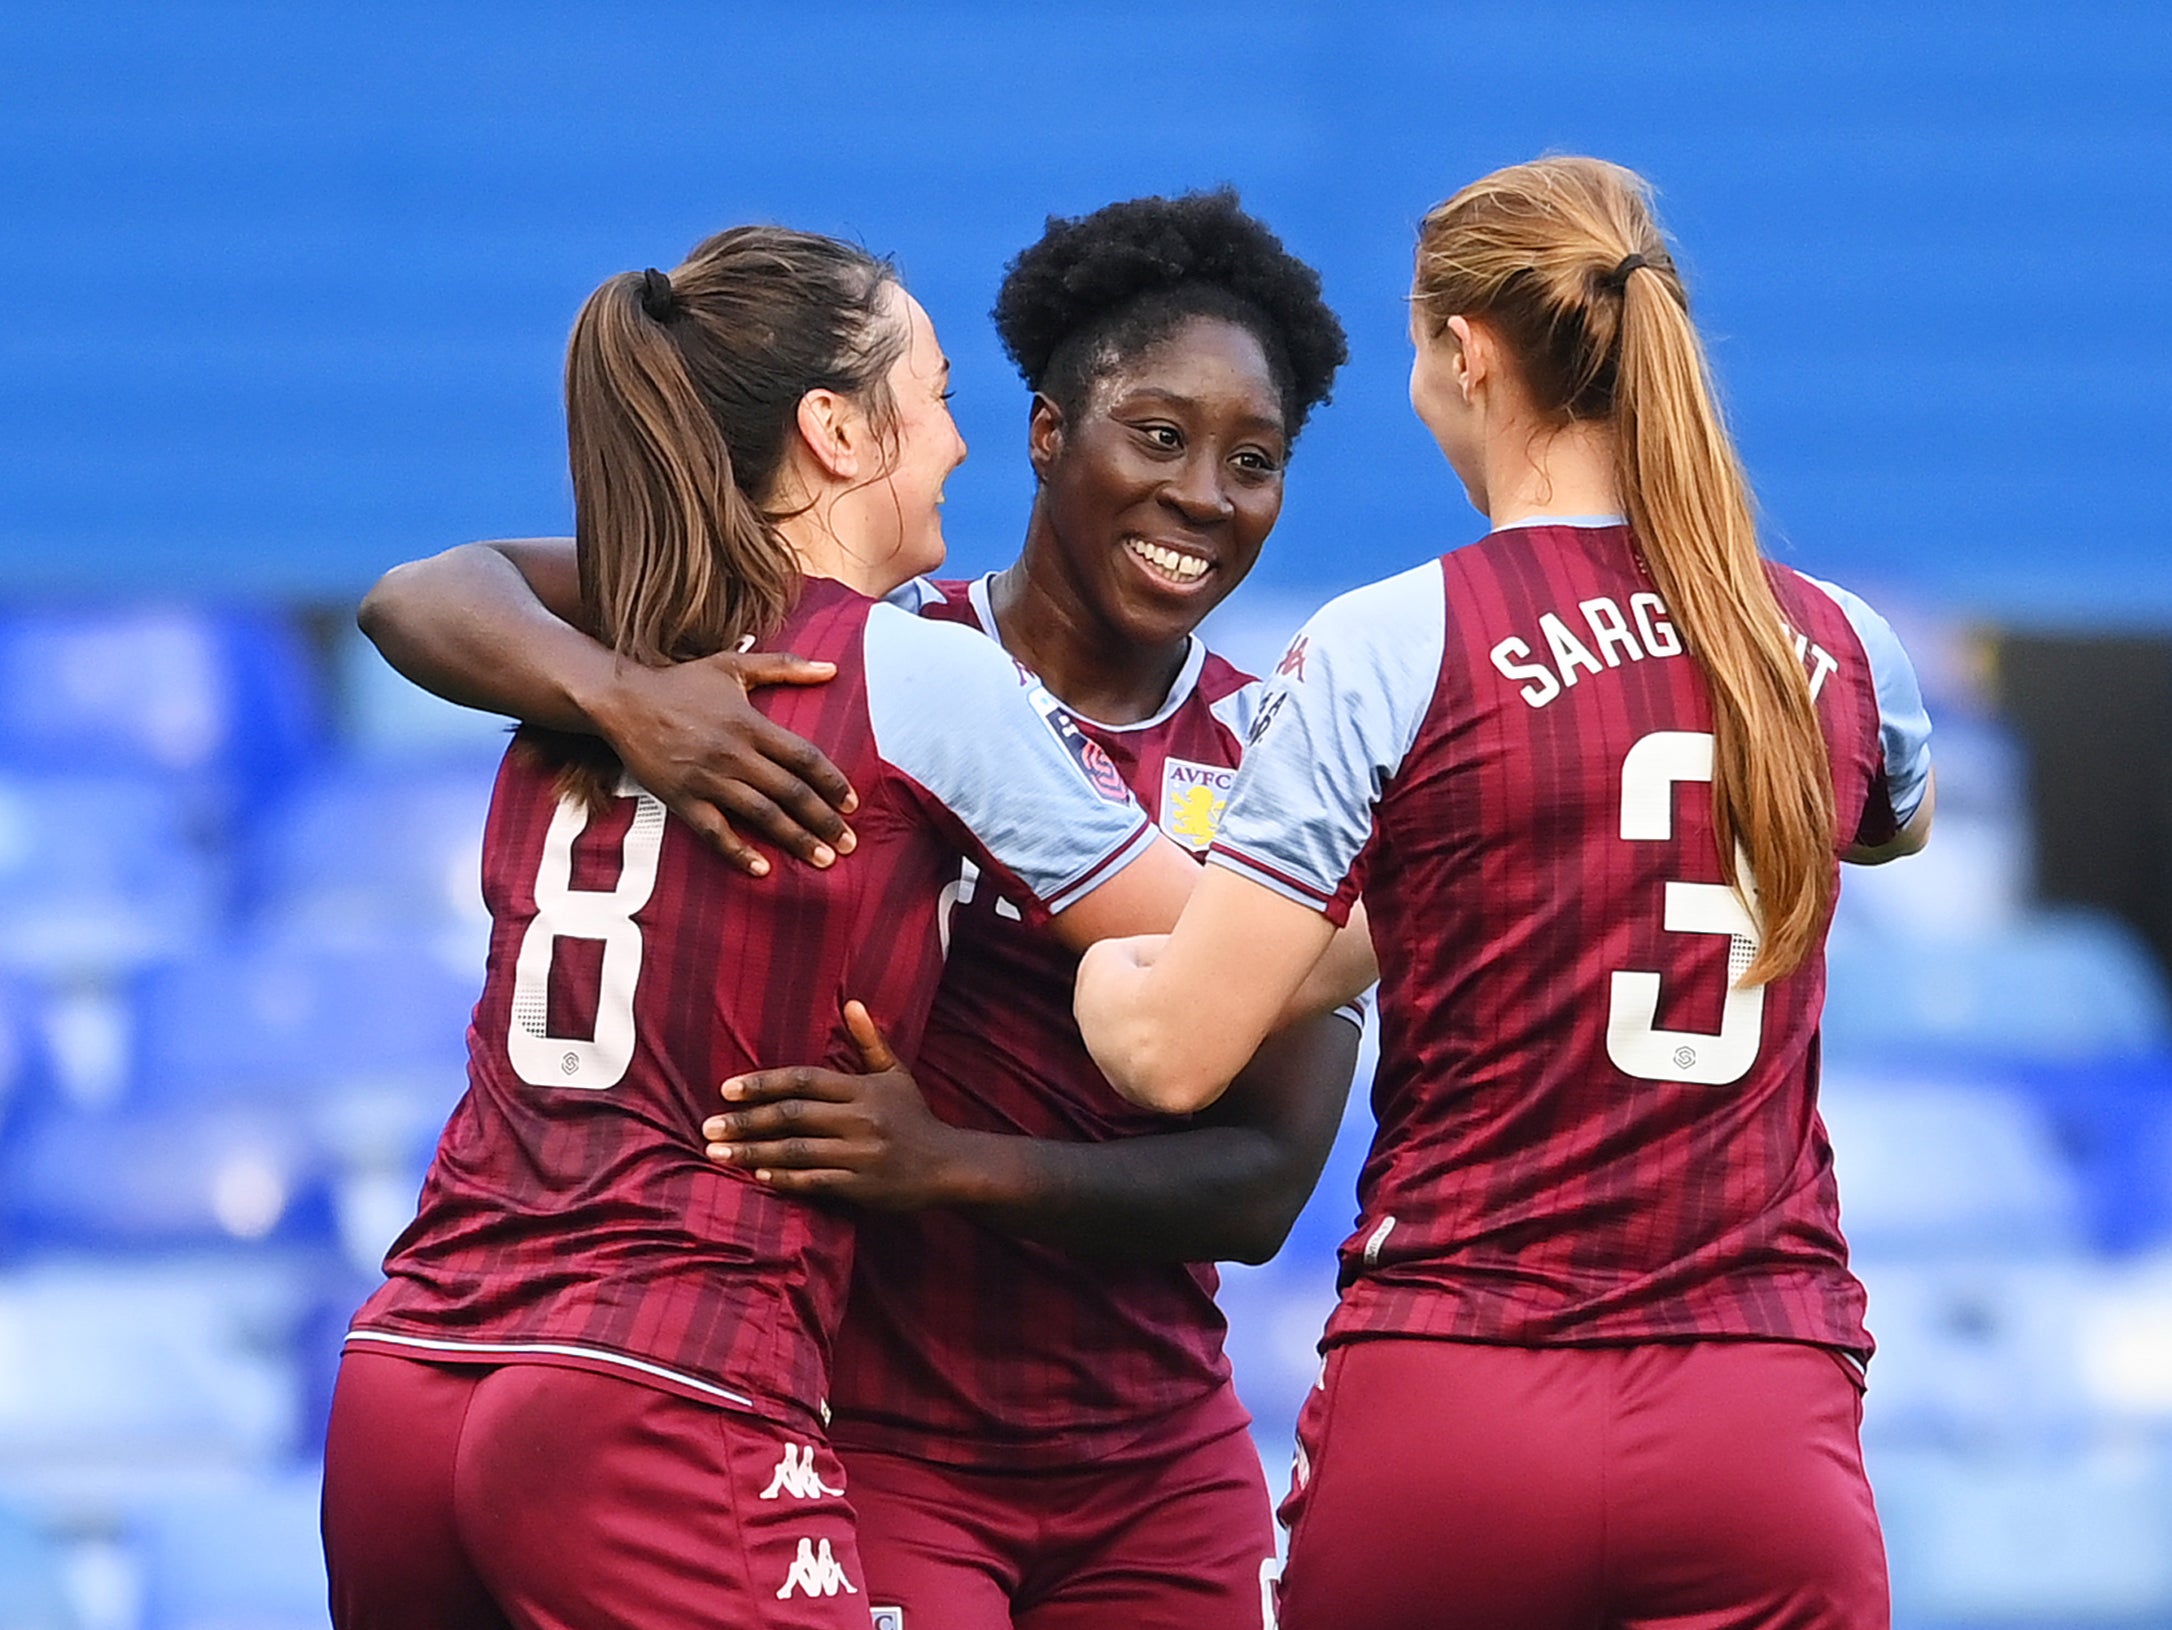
point(1089, 667)
point(821, 553)
point(1568, 471)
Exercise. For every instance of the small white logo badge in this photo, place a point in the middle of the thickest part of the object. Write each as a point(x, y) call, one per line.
point(796, 1475)
point(816, 1572)
point(888, 1618)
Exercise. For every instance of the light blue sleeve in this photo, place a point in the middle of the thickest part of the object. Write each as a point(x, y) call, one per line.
point(1904, 727)
point(987, 742)
point(1336, 722)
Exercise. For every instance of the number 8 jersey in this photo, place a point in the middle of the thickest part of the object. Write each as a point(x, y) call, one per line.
point(570, 1216)
point(1586, 1132)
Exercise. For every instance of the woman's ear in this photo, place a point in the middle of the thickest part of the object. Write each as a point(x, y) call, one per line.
point(1472, 359)
point(834, 432)
point(1044, 434)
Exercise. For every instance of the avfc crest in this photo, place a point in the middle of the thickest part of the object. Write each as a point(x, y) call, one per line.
point(1099, 769)
point(1192, 796)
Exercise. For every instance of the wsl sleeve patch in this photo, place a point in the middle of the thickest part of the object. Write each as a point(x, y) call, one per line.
point(1099, 769)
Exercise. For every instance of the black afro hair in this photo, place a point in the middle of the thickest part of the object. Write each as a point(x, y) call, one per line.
point(1099, 289)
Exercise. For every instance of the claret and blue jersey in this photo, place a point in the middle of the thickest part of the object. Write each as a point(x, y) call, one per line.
point(570, 1216)
point(966, 1345)
point(1586, 1131)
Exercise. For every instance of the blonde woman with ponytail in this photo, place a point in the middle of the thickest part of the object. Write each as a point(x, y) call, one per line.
point(1598, 1354)
point(592, 1390)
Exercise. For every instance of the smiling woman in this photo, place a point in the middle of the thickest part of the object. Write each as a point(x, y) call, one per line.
point(1030, 1397)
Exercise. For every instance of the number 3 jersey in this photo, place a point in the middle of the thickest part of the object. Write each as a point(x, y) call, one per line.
point(570, 1216)
point(1585, 1132)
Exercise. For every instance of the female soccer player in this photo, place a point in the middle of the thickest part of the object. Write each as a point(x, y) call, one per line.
point(1598, 1353)
point(591, 1391)
point(1030, 1398)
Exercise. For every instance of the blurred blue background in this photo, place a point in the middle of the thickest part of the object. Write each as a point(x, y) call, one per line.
point(290, 290)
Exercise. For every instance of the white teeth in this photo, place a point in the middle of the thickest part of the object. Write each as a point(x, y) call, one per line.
point(1184, 568)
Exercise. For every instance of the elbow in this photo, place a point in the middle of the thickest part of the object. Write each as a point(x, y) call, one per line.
point(1167, 1094)
point(1258, 1240)
point(1153, 1078)
point(378, 615)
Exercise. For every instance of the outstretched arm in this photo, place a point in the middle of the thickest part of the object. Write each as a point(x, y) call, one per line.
point(1224, 1189)
point(493, 626)
point(1172, 1020)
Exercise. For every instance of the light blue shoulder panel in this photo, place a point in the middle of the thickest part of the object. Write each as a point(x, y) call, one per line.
point(1337, 719)
point(1904, 728)
point(951, 710)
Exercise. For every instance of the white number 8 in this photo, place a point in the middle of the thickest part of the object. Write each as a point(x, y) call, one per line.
point(561, 910)
point(1633, 1040)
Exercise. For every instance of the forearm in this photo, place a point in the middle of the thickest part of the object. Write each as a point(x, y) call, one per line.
point(1226, 1188)
point(1221, 1193)
point(465, 625)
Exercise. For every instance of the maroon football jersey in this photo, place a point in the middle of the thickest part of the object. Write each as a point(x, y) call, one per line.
point(570, 1216)
point(1585, 1134)
point(962, 1343)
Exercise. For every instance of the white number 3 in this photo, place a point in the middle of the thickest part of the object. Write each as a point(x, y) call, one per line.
point(1633, 1041)
point(565, 912)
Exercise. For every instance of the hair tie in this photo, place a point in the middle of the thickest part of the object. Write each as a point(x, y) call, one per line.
point(1618, 278)
point(658, 298)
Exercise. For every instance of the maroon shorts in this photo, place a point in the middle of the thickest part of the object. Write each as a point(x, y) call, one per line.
point(1712, 1485)
point(1183, 1541)
point(527, 1496)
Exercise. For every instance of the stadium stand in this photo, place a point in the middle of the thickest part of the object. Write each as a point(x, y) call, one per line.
point(237, 858)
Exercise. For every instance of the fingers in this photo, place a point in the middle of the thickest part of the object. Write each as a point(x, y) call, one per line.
point(717, 832)
point(759, 668)
point(811, 811)
point(804, 759)
point(748, 806)
point(791, 1090)
point(867, 1036)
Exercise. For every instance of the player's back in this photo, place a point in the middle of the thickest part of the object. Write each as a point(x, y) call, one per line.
point(1585, 1133)
point(570, 1216)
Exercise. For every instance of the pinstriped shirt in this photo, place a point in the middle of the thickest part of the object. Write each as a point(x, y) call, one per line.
point(569, 1216)
point(1586, 1133)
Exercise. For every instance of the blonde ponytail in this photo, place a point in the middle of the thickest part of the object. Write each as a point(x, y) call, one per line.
point(1564, 258)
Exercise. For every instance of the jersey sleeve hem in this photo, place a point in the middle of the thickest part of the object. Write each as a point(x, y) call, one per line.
point(1069, 894)
point(1329, 903)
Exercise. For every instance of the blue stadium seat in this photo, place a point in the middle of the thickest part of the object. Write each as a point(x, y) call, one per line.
point(100, 873)
point(25, 1067)
point(367, 849)
point(2032, 1540)
point(1984, 1352)
point(175, 691)
point(2061, 986)
point(122, 1376)
point(1945, 1165)
point(1276, 1314)
point(243, 1555)
point(264, 1020)
point(132, 1180)
point(33, 1578)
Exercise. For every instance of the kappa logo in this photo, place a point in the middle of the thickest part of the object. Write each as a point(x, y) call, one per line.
point(1192, 796)
point(796, 1475)
point(1101, 771)
point(816, 1572)
point(1292, 664)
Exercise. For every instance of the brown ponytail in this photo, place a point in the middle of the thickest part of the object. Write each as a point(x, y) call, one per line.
point(682, 393)
point(1564, 258)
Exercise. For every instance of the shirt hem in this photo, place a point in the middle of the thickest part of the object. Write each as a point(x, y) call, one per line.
point(570, 1355)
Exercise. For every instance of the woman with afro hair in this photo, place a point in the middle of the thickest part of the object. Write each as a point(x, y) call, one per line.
point(1029, 1394)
